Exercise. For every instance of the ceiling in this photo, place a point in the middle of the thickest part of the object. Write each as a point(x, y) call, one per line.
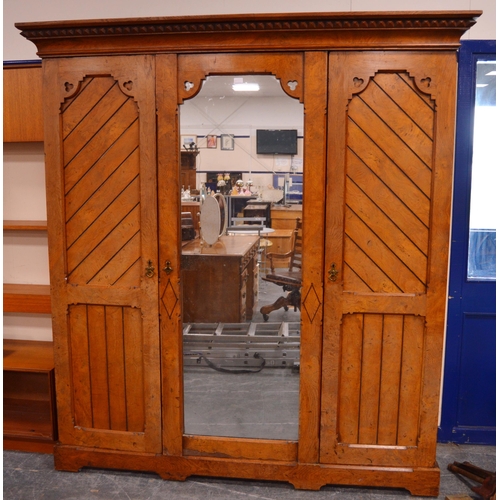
point(220, 86)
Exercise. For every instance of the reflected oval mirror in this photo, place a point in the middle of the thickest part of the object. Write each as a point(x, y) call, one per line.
point(213, 216)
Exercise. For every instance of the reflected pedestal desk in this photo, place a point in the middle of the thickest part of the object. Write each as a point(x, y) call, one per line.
point(220, 282)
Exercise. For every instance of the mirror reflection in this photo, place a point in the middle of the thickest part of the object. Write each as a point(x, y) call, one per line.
point(242, 139)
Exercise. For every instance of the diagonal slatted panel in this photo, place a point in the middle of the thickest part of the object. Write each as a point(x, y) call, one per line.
point(91, 91)
point(401, 89)
point(398, 120)
point(92, 121)
point(384, 199)
point(121, 186)
point(99, 144)
point(101, 158)
point(118, 155)
point(374, 246)
point(397, 240)
point(112, 251)
point(402, 187)
point(388, 186)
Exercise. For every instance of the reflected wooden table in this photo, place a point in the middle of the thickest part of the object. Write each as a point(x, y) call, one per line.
point(220, 282)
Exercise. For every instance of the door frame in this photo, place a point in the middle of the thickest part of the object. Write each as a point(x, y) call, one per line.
point(450, 428)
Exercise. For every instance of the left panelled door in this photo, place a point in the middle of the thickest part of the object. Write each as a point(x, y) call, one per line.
point(100, 147)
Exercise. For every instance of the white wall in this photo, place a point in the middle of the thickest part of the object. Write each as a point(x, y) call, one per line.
point(25, 256)
point(16, 47)
point(241, 116)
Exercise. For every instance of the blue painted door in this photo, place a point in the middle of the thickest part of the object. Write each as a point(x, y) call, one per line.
point(468, 410)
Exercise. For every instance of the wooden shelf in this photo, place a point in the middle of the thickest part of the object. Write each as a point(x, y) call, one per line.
point(26, 298)
point(22, 103)
point(29, 410)
point(25, 225)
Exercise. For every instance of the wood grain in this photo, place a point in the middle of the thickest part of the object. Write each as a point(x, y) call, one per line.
point(26, 298)
point(22, 104)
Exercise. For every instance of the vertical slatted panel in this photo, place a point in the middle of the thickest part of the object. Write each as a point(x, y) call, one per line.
point(98, 367)
point(350, 382)
point(80, 365)
point(370, 379)
point(380, 379)
point(134, 369)
point(411, 376)
point(108, 367)
point(389, 380)
point(116, 368)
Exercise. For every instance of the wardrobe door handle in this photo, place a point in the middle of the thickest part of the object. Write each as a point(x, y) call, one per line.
point(168, 267)
point(332, 273)
point(150, 270)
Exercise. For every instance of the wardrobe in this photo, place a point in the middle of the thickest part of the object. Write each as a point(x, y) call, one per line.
point(378, 91)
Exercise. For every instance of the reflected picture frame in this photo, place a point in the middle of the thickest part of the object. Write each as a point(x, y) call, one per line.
point(188, 142)
point(211, 142)
point(227, 142)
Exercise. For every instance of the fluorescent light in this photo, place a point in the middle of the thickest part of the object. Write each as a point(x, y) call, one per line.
point(492, 73)
point(246, 87)
point(481, 84)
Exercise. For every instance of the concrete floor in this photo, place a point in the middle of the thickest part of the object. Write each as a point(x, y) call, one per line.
point(32, 476)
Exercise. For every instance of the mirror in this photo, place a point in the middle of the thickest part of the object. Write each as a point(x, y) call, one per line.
point(241, 365)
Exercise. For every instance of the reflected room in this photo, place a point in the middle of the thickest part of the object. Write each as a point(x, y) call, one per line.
point(241, 220)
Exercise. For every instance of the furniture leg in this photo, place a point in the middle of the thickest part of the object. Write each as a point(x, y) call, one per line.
point(292, 299)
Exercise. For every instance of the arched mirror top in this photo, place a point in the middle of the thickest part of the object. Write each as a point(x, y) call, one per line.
point(194, 69)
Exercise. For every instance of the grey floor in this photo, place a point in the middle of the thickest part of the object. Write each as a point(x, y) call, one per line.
point(251, 405)
point(32, 476)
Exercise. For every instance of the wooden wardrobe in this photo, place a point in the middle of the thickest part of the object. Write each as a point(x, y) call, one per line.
point(378, 91)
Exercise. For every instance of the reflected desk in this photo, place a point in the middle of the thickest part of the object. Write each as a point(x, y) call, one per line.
point(220, 282)
point(194, 208)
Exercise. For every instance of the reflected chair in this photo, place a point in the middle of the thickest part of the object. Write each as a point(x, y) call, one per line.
point(290, 279)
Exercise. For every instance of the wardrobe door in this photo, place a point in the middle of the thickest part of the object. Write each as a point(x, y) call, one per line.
point(101, 190)
point(302, 77)
point(388, 213)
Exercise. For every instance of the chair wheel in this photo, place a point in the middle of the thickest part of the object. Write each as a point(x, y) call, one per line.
point(266, 317)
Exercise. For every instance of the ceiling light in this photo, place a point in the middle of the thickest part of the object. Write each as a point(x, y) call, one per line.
point(492, 73)
point(246, 87)
point(481, 84)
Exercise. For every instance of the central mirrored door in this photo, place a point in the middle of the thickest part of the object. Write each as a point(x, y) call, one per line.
point(242, 141)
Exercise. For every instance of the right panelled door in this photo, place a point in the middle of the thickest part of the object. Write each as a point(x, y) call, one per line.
point(390, 160)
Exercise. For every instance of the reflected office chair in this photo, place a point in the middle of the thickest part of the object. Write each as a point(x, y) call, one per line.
point(289, 279)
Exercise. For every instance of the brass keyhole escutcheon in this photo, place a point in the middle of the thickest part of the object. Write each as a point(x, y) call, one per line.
point(150, 270)
point(332, 273)
point(168, 267)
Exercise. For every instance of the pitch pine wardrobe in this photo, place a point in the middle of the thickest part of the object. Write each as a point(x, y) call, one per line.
point(378, 91)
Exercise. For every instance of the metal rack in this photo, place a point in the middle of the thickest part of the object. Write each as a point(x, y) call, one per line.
point(236, 344)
